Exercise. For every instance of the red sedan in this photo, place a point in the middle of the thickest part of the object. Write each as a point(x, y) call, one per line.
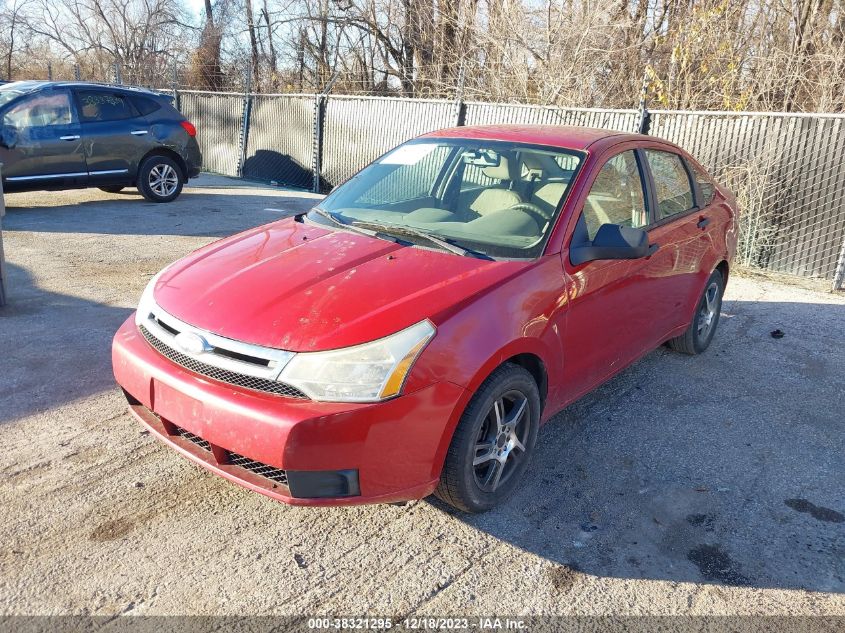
point(409, 334)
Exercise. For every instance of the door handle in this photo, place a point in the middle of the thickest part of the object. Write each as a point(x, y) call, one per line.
point(139, 132)
point(69, 137)
point(703, 222)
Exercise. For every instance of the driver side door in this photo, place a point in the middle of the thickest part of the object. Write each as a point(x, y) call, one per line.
point(43, 143)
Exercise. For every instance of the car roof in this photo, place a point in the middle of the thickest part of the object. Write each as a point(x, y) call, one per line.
point(563, 136)
point(28, 86)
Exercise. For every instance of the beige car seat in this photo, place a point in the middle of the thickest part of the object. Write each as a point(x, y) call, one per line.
point(547, 196)
point(493, 198)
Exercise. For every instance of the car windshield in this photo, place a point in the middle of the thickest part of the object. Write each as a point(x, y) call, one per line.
point(7, 93)
point(490, 198)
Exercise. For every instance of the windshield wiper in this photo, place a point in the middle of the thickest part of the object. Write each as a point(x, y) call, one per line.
point(341, 223)
point(439, 241)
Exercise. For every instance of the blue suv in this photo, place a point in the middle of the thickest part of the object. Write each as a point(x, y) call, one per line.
point(71, 135)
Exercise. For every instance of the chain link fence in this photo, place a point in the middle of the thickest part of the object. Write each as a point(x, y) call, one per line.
point(786, 169)
point(787, 172)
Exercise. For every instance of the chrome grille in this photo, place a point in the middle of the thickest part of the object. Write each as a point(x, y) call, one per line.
point(196, 439)
point(259, 468)
point(223, 375)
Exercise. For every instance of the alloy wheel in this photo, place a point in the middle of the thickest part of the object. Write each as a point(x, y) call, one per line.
point(501, 440)
point(163, 180)
point(708, 311)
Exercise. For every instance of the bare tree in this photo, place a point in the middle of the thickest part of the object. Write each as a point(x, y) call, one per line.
point(13, 23)
point(695, 54)
point(205, 71)
point(142, 36)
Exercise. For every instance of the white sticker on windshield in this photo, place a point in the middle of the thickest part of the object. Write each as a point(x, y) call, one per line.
point(408, 154)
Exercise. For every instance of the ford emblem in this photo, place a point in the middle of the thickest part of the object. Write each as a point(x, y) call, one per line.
point(191, 343)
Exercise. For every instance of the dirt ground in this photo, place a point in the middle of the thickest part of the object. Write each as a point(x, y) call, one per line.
point(708, 485)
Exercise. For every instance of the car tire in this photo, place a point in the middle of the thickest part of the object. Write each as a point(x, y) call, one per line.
point(700, 332)
point(113, 189)
point(160, 179)
point(503, 415)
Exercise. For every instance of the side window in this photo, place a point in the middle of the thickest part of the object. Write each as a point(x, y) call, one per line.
point(144, 105)
point(412, 170)
point(705, 184)
point(99, 105)
point(616, 196)
point(671, 183)
point(42, 110)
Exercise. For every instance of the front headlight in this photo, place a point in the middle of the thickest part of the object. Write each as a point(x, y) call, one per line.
point(147, 302)
point(364, 373)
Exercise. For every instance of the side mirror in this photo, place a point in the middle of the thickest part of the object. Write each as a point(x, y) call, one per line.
point(613, 242)
point(8, 136)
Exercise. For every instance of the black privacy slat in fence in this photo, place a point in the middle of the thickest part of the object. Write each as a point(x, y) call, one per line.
point(514, 114)
point(279, 144)
point(218, 119)
point(786, 169)
point(357, 129)
point(788, 174)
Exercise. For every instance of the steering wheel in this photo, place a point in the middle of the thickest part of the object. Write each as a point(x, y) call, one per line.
point(534, 211)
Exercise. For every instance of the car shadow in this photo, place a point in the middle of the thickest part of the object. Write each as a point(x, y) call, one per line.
point(196, 212)
point(724, 468)
point(270, 165)
point(54, 348)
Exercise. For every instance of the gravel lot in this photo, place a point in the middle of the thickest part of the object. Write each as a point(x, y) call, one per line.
point(685, 485)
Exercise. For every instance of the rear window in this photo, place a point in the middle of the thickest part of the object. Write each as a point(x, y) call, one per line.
point(145, 105)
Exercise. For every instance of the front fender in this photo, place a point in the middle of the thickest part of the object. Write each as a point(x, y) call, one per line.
point(525, 315)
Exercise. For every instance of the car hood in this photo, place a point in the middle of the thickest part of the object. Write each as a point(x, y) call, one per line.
point(302, 287)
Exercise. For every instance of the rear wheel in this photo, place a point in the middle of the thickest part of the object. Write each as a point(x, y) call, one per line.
point(493, 441)
point(700, 332)
point(160, 179)
point(113, 189)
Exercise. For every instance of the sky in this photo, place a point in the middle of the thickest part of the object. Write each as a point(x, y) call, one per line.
point(195, 6)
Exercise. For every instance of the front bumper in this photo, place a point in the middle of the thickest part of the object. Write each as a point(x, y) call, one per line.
point(395, 448)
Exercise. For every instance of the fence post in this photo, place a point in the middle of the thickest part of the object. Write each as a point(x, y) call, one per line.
point(77, 73)
point(317, 141)
point(460, 106)
point(839, 275)
point(174, 85)
point(317, 147)
point(49, 71)
point(643, 115)
point(2, 258)
point(247, 111)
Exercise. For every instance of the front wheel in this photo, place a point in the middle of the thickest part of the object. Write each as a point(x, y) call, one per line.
point(160, 179)
point(493, 441)
point(700, 332)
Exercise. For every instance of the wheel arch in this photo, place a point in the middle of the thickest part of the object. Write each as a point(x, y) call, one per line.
point(527, 353)
point(169, 153)
point(724, 268)
point(536, 367)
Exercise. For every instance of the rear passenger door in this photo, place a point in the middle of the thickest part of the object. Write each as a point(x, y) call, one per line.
point(115, 134)
point(681, 229)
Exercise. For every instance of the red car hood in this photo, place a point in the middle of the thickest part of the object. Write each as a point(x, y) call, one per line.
point(301, 287)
